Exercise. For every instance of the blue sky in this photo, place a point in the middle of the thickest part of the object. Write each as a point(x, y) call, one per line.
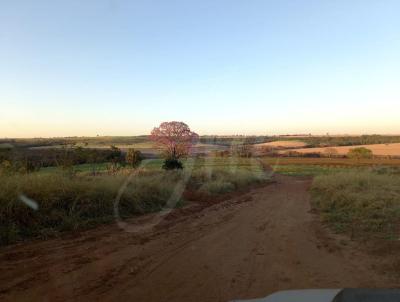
point(112, 67)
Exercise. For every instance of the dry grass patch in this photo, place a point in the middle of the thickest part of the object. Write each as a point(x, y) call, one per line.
point(68, 203)
point(363, 203)
point(282, 144)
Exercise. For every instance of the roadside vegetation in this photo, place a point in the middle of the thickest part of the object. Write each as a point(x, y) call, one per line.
point(361, 203)
point(43, 205)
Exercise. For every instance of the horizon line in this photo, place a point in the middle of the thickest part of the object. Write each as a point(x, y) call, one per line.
point(214, 135)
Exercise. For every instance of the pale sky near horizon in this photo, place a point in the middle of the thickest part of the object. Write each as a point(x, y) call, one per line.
point(112, 67)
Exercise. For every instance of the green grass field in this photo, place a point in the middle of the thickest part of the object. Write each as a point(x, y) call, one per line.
point(229, 164)
point(286, 166)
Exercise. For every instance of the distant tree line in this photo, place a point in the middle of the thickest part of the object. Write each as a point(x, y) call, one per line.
point(30, 160)
point(331, 141)
point(74, 140)
point(235, 139)
point(311, 141)
point(32, 142)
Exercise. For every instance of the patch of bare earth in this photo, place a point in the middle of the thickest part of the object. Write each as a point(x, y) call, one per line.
point(248, 246)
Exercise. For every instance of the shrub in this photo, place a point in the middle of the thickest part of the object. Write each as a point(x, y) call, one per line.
point(133, 157)
point(115, 155)
point(360, 153)
point(172, 164)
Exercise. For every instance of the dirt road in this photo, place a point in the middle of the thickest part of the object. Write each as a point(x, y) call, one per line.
point(245, 247)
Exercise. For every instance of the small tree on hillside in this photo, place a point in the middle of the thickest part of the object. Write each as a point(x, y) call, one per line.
point(115, 159)
point(331, 152)
point(360, 153)
point(115, 155)
point(176, 139)
point(133, 157)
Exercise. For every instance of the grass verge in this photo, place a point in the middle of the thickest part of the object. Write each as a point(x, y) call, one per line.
point(362, 203)
point(68, 203)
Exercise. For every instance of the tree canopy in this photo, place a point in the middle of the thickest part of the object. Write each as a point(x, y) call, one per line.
point(175, 138)
point(360, 152)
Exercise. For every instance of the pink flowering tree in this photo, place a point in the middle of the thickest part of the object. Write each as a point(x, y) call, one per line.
point(176, 140)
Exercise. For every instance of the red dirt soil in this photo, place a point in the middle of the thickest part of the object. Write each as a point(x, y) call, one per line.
point(245, 247)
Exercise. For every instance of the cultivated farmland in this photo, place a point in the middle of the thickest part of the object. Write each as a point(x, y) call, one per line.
point(378, 149)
